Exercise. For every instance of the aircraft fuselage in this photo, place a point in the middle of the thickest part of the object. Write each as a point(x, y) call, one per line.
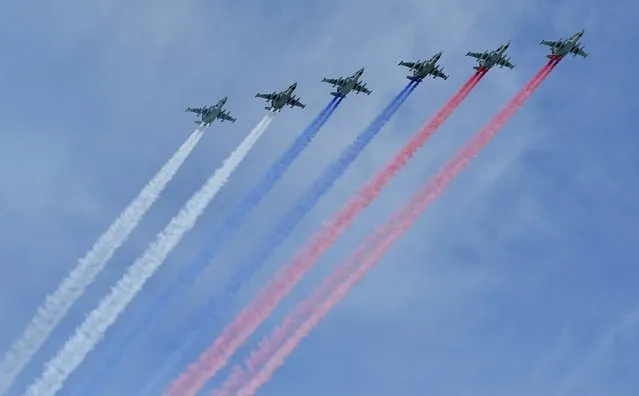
point(348, 86)
point(282, 98)
point(209, 116)
point(564, 49)
point(491, 60)
point(349, 83)
point(279, 102)
point(425, 69)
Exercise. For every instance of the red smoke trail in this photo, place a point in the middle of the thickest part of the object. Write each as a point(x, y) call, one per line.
point(274, 350)
point(259, 356)
point(235, 334)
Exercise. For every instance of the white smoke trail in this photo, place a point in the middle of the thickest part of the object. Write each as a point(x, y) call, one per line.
point(57, 304)
point(91, 331)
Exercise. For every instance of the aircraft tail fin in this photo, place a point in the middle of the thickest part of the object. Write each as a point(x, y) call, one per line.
point(412, 78)
point(337, 94)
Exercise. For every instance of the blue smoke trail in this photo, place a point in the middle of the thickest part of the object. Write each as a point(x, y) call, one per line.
point(139, 330)
point(203, 318)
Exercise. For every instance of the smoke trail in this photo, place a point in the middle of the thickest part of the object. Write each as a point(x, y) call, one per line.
point(91, 331)
point(56, 305)
point(192, 331)
point(264, 303)
point(274, 350)
point(321, 186)
point(208, 364)
point(139, 330)
point(293, 320)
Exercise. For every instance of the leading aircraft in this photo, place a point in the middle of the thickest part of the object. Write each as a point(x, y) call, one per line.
point(280, 99)
point(211, 113)
point(348, 84)
point(561, 47)
point(422, 69)
point(488, 59)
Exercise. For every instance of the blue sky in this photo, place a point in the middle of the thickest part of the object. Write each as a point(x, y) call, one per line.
point(521, 279)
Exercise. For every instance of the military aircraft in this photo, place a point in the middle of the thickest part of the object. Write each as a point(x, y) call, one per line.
point(348, 84)
point(488, 59)
point(561, 47)
point(280, 99)
point(422, 69)
point(211, 113)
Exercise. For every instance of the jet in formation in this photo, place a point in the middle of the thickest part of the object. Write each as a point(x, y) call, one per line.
point(211, 113)
point(421, 69)
point(347, 84)
point(488, 59)
point(561, 47)
point(280, 99)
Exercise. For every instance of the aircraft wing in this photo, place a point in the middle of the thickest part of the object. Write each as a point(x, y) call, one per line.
point(478, 55)
point(410, 65)
point(361, 88)
point(270, 96)
point(195, 110)
point(549, 43)
point(438, 73)
point(334, 81)
point(505, 62)
point(295, 102)
point(579, 51)
point(226, 116)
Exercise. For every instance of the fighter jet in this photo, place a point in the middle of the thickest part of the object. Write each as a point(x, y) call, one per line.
point(280, 99)
point(422, 69)
point(561, 47)
point(348, 84)
point(488, 59)
point(211, 113)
